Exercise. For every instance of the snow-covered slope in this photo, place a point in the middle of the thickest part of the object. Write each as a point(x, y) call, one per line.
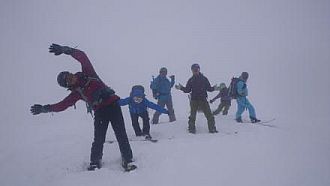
point(58, 154)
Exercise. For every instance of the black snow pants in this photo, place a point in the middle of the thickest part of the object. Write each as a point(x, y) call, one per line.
point(136, 125)
point(110, 113)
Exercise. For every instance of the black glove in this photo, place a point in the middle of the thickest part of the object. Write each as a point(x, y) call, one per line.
point(58, 49)
point(172, 77)
point(37, 109)
point(179, 86)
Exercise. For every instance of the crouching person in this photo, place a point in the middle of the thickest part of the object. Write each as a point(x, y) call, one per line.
point(138, 105)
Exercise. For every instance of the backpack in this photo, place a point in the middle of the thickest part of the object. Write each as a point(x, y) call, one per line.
point(232, 89)
point(153, 87)
point(137, 88)
point(98, 96)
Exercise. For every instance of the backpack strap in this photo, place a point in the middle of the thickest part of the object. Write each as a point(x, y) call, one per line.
point(89, 105)
point(80, 90)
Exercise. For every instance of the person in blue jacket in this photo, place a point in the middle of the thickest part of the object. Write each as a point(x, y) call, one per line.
point(161, 88)
point(138, 105)
point(242, 101)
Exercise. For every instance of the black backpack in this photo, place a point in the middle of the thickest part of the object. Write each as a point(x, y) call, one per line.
point(232, 89)
point(98, 96)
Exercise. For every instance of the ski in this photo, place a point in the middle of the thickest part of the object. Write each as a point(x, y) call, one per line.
point(227, 132)
point(263, 123)
point(151, 140)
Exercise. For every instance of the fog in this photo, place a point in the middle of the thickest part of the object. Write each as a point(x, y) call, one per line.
point(284, 45)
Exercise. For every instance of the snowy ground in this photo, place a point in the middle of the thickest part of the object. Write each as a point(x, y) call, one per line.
point(240, 154)
point(284, 45)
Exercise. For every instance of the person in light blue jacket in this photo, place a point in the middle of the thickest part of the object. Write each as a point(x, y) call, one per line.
point(242, 101)
point(138, 105)
point(161, 89)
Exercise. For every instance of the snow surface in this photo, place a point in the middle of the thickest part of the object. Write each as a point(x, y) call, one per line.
point(284, 45)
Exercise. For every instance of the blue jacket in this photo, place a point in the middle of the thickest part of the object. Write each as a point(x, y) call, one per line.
point(242, 89)
point(138, 108)
point(162, 85)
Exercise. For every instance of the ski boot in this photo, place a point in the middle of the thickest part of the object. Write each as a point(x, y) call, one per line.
point(154, 121)
point(192, 130)
point(254, 120)
point(128, 166)
point(172, 117)
point(239, 120)
point(148, 137)
point(138, 134)
point(214, 130)
point(94, 165)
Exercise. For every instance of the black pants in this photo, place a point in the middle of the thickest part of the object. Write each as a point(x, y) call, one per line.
point(223, 105)
point(136, 125)
point(169, 105)
point(111, 113)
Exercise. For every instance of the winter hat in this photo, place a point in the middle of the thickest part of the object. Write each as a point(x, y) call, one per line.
point(195, 66)
point(163, 69)
point(245, 75)
point(138, 93)
point(222, 85)
point(61, 79)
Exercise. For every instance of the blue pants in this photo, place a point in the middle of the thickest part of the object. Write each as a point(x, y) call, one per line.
point(242, 104)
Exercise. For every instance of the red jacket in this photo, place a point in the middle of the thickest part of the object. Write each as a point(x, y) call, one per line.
point(88, 89)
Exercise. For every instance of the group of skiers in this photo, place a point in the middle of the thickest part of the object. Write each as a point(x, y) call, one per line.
point(86, 85)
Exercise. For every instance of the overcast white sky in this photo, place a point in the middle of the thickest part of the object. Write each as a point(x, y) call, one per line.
point(284, 45)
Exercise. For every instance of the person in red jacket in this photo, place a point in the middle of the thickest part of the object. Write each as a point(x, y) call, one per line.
point(86, 85)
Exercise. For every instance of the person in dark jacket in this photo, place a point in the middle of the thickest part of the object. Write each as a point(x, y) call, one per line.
point(138, 105)
point(197, 86)
point(161, 88)
point(86, 85)
point(225, 100)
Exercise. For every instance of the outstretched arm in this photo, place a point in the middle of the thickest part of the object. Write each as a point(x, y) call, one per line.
point(67, 102)
point(187, 88)
point(215, 98)
point(123, 102)
point(86, 65)
point(79, 55)
point(70, 100)
point(155, 107)
point(172, 77)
